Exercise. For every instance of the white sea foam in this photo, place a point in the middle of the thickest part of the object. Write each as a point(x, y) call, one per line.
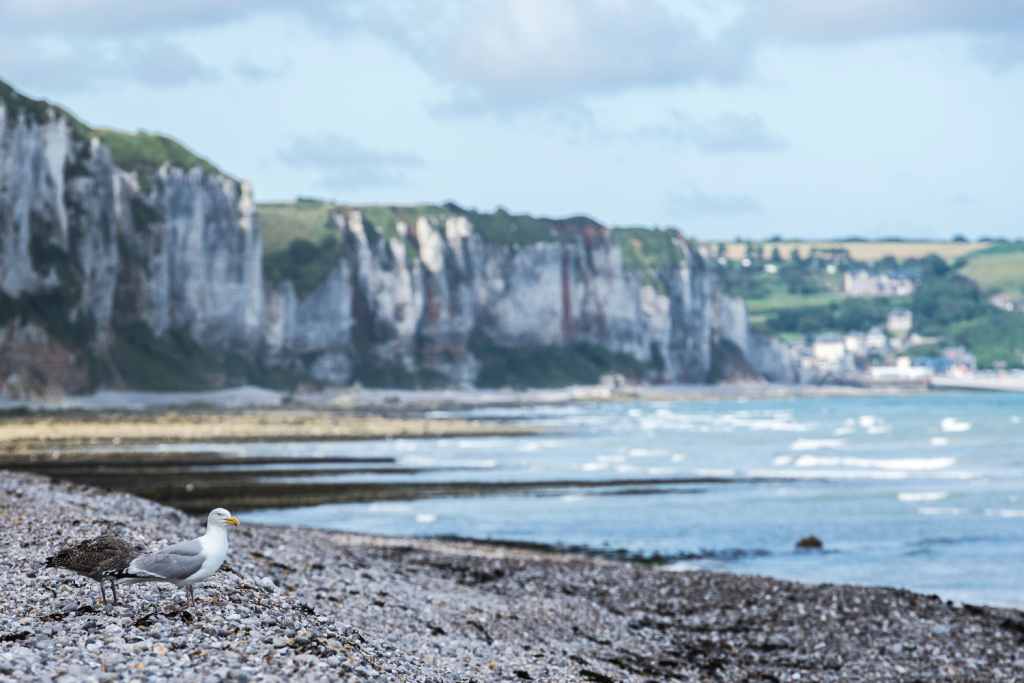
point(879, 429)
point(827, 474)
point(646, 453)
point(942, 511)
point(939, 441)
point(779, 421)
point(815, 444)
point(951, 424)
point(918, 464)
point(782, 460)
point(423, 461)
point(611, 458)
point(702, 472)
point(533, 446)
point(679, 457)
point(475, 443)
point(1014, 419)
point(866, 421)
point(844, 430)
point(572, 498)
point(426, 518)
point(1005, 513)
point(594, 466)
point(921, 496)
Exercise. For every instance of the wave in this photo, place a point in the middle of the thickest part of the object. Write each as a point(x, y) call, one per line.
point(951, 424)
point(815, 444)
point(942, 511)
point(921, 496)
point(918, 464)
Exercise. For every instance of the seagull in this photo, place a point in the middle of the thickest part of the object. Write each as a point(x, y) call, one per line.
point(96, 557)
point(185, 563)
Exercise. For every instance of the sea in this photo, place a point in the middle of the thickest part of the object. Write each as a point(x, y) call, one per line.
point(923, 492)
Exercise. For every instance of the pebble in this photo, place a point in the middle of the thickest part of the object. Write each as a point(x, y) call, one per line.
point(333, 606)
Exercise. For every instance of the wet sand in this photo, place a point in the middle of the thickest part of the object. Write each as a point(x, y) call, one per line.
point(40, 433)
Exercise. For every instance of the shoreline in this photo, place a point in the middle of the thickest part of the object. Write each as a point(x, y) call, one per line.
point(303, 604)
point(83, 432)
point(417, 400)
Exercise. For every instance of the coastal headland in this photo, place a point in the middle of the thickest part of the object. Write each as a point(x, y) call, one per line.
point(307, 605)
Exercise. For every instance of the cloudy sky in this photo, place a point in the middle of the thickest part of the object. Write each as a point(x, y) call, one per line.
point(725, 118)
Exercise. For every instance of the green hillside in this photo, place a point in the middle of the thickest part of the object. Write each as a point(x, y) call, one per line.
point(999, 268)
point(792, 290)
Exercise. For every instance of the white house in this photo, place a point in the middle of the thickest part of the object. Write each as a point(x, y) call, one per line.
point(900, 321)
point(862, 282)
point(829, 348)
point(876, 338)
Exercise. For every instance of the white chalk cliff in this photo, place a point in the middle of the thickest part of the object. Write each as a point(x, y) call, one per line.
point(118, 250)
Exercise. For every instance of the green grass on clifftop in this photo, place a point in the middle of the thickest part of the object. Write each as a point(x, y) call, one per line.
point(144, 152)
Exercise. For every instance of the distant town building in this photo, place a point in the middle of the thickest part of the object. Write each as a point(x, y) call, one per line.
point(960, 357)
point(856, 343)
point(1001, 301)
point(863, 282)
point(829, 348)
point(938, 364)
point(876, 338)
point(900, 321)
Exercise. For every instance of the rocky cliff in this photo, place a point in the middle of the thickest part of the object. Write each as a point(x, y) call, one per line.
point(420, 296)
point(115, 250)
point(126, 260)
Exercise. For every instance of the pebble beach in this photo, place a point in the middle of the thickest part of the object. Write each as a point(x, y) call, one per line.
point(294, 604)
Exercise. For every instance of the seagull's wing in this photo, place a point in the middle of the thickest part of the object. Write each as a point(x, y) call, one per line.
point(85, 557)
point(174, 563)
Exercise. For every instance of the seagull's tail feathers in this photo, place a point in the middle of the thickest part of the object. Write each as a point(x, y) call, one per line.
point(129, 575)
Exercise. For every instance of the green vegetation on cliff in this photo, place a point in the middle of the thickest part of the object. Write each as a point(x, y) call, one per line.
point(141, 152)
point(548, 366)
point(647, 251)
point(144, 152)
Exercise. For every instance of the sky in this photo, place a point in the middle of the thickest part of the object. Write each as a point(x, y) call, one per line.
point(724, 118)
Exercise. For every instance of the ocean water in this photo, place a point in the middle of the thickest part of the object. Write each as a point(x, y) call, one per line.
point(924, 492)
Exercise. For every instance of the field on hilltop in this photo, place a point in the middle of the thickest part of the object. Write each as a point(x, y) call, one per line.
point(860, 250)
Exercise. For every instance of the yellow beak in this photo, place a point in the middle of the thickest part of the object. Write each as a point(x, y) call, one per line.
point(232, 520)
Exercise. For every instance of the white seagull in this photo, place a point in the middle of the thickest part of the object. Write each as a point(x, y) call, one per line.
point(185, 563)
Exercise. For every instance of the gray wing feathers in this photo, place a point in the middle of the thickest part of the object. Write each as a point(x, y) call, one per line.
point(174, 563)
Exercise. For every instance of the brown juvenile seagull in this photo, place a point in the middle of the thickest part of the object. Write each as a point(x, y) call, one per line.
point(96, 556)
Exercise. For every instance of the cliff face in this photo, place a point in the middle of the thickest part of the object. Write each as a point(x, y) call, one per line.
point(422, 296)
point(92, 246)
point(125, 260)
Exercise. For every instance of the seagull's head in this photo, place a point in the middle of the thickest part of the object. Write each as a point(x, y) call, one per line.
point(220, 517)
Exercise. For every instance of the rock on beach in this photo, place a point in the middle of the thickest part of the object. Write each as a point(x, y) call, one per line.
point(328, 606)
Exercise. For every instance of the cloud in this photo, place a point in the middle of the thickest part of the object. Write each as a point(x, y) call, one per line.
point(695, 202)
point(255, 72)
point(105, 18)
point(501, 54)
point(855, 20)
point(81, 65)
point(727, 133)
point(344, 164)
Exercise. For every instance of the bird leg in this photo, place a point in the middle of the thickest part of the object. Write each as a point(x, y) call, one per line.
point(104, 594)
point(113, 590)
point(191, 598)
